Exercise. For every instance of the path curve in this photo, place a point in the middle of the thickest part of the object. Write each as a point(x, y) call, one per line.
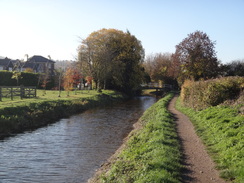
point(199, 167)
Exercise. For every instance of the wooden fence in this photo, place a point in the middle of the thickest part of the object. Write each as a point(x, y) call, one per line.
point(21, 91)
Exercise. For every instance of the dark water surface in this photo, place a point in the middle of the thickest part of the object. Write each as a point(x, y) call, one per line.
point(70, 150)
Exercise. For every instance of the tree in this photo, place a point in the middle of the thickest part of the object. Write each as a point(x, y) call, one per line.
point(16, 75)
point(72, 78)
point(234, 68)
point(196, 57)
point(158, 67)
point(113, 59)
point(68, 81)
point(59, 78)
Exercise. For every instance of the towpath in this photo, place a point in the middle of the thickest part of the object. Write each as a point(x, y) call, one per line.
point(199, 167)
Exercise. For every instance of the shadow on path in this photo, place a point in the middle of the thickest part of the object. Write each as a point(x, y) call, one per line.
point(198, 167)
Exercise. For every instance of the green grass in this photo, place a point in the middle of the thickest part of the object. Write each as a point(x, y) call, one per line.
point(152, 153)
point(148, 91)
point(222, 130)
point(19, 115)
point(52, 95)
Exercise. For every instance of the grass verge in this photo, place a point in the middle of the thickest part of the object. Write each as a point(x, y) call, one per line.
point(18, 116)
point(152, 153)
point(222, 130)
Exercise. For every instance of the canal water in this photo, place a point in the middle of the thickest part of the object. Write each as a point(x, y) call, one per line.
point(69, 150)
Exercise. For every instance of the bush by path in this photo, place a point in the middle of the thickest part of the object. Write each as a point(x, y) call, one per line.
point(203, 94)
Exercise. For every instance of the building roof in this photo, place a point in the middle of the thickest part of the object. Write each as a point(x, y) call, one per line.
point(5, 61)
point(37, 58)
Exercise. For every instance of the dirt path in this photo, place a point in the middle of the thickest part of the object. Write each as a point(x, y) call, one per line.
point(198, 165)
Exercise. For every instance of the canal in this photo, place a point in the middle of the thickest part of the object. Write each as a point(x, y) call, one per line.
point(69, 150)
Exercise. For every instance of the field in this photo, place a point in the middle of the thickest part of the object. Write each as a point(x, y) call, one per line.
point(52, 95)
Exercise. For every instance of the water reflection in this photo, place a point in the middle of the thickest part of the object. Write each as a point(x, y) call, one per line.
point(71, 149)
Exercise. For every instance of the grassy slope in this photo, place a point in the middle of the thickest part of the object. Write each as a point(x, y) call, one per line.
point(222, 130)
point(152, 153)
point(20, 115)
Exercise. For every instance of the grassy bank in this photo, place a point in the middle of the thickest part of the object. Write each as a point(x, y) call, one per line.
point(222, 130)
point(19, 115)
point(152, 153)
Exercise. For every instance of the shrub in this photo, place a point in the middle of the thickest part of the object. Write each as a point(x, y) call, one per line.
point(202, 94)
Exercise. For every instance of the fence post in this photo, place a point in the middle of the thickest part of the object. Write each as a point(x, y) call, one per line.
point(0, 93)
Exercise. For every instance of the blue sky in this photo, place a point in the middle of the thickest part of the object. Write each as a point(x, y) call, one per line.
point(53, 27)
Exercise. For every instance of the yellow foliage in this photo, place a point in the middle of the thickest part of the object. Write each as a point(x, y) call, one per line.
point(185, 89)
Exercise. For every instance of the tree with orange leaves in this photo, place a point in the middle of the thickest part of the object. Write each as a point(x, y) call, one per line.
point(72, 78)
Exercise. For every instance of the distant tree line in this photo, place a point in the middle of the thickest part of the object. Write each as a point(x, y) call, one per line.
point(113, 59)
point(194, 59)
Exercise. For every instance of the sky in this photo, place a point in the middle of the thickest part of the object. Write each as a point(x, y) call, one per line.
point(55, 27)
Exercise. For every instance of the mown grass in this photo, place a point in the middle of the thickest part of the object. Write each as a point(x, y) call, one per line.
point(19, 115)
point(152, 153)
point(52, 95)
point(222, 130)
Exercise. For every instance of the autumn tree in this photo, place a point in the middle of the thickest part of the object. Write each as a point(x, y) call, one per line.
point(196, 58)
point(72, 78)
point(113, 59)
point(158, 67)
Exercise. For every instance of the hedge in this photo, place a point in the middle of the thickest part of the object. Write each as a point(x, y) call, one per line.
point(27, 79)
point(203, 94)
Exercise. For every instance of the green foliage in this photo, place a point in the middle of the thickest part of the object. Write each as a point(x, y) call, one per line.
point(151, 154)
point(203, 94)
point(113, 58)
point(6, 79)
point(234, 68)
point(27, 79)
point(222, 130)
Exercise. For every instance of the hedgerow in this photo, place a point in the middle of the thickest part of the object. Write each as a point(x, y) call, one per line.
point(26, 79)
point(203, 94)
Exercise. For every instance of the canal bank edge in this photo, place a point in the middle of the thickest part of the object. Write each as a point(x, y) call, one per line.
point(17, 119)
point(141, 156)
